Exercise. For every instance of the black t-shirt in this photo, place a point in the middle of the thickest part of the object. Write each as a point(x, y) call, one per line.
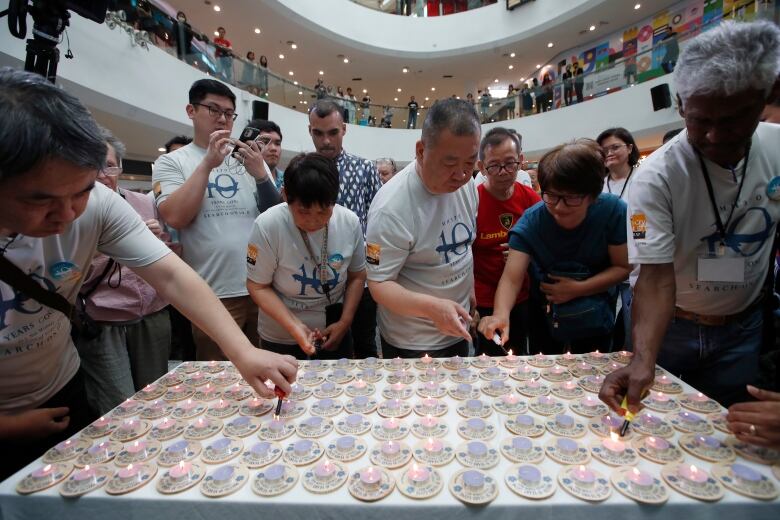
point(413, 106)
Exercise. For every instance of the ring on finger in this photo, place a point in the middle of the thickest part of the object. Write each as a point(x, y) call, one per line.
point(753, 430)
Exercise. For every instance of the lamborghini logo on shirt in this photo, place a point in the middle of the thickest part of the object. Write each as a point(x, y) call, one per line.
point(506, 220)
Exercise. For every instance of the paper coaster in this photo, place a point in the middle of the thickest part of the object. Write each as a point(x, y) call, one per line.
point(567, 451)
point(649, 424)
point(603, 426)
point(167, 429)
point(431, 406)
point(137, 452)
point(354, 424)
point(533, 388)
point(299, 393)
point(592, 383)
point(556, 374)
point(649, 490)
point(100, 453)
point(496, 388)
point(589, 408)
point(671, 387)
point(355, 390)
point(394, 408)
point(236, 392)
point(403, 377)
point(745, 480)
point(596, 490)
point(455, 363)
point(567, 359)
point(100, 428)
point(202, 428)
point(178, 393)
point(433, 376)
point(610, 367)
point(567, 391)
point(525, 425)
point(510, 405)
point(386, 431)
point(179, 451)
point(477, 454)
point(436, 452)
point(545, 405)
point(222, 450)
point(410, 486)
point(325, 477)
point(328, 389)
point(464, 375)
point(128, 408)
point(473, 487)
point(241, 426)
point(188, 367)
point(43, 477)
point(689, 422)
point(261, 454)
point(425, 363)
point(222, 410)
point(326, 408)
point(657, 449)
point(150, 392)
point(188, 410)
point(529, 482)
point(369, 375)
point(274, 480)
point(390, 454)
point(541, 361)
point(493, 374)
point(373, 491)
point(522, 450)
point(129, 479)
point(510, 361)
point(623, 357)
point(292, 410)
point(627, 457)
point(398, 364)
point(398, 391)
point(84, 480)
point(708, 491)
point(432, 390)
point(582, 369)
point(474, 408)
point(476, 429)
point(524, 373)
point(754, 453)
point(419, 429)
point(463, 392)
point(699, 403)
point(346, 448)
point(596, 358)
point(225, 379)
point(665, 405)
point(275, 430)
point(719, 422)
point(303, 452)
point(707, 448)
point(197, 379)
point(171, 379)
point(258, 407)
point(483, 361)
point(224, 481)
point(66, 450)
point(130, 429)
point(564, 425)
point(156, 410)
point(314, 427)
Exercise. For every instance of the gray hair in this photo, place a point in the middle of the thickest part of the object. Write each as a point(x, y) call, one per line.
point(729, 59)
point(387, 160)
point(325, 107)
point(40, 122)
point(116, 144)
point(456, 115)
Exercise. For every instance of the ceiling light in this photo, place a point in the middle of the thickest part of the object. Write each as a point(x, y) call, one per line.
point(217, 8)
point(404, 70)
point(281, 56)
point(637, 6)
point(365, 91)
point(427, 99)
point(322, 72)
point(216, 33)
point(457, 97)
point(538, 66)
point(257, 30)
point(495, 80)
point(300, 93)
point(395, 99)
point(433, 89)
point(161, 149)
point(346, 60)
point(305, 102)
point(522, 79)
point(291, 73)
point(512, 55)
point(295, 82)
point(550, 44)
point(511, 67)
point(592, 28)
point(399, 89)
point(294, 46)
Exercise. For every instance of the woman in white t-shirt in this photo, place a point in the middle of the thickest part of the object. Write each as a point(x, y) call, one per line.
point(306, 265)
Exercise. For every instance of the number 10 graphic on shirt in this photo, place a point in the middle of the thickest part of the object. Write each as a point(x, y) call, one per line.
point(459, 241)
point(305, 280)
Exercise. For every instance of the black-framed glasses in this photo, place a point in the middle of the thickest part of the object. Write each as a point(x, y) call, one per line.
point(612, 148)
point(571, 201)
point(509, 167)
point(216, 111)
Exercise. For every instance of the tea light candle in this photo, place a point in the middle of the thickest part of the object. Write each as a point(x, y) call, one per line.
point(477, 449)
point(325, 404)
point(328, 386)
point(398, 387)
point(390, 448)
point(426, 359)
point(510, 356)
point(464, 388)
point(639, 480)
point(533, 383)
point(64, 446)
point(360, 400)
point(274, 473)
point(657, 444)
point(524, 420)
point(129, 473)
point(433, 445)
point(492, 371)
point(745, 474)
point(614, 444)
point(568, 356)
point(596, 354)
point(664, 381)
point(302, 446)
point(689, 417)
point(46, 472)
point(583, 475)
point(151, 387)
point(418, 474)
point(345, 443)
point(545, 400)
point(614, 366)
point(474, 404)
point(611, 421)
point(223, 474)
point(475, 424)
point(200, 424)
point(261, 448)
point(650, 420)
point(342, 362)
point(254, 403)
point(589, 402)
point(456, 361)
point(339, 373)
point(178, 389)
point(483, 357)
point(431, 385)
point(128, 404)
point(564, 421)
point(221, 445)
point(583, 366)
point(429, 403)
point(660, 397)
point(557, 370)
point(522, 444)
point(529, 474)
point(87, 473)
point(177, 446)
point(95, 450)
point(221, 405)
point(569, 385)
point(370, 476)
point(101, 424)
point(276, 425)
point(371, 361)
point(464, 373)
point(165, 424)
point(394, 404)
point(128, 426)
point(540, 357)
point(354, 419)
point(197, 376)
point(692, 474)
point(429, 423)
point(699, 397)
point(360, 384)
point(390, 424)
point(566, 445)
point(324, 470)
point(707, 442)
point(212, 364)
point(397, 362)
point(510, 399)
point(473, 479)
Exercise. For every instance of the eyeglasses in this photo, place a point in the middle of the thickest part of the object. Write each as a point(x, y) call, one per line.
point(570, 201)
point(613, 148)
point(509, 167)
point(215, 112)
point(111, 171)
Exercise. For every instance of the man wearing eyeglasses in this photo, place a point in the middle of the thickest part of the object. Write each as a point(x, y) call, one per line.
point(521, 176)
point(212, 195)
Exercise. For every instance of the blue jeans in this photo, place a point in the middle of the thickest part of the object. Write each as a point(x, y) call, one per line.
point(412, 120)
point(718, 361)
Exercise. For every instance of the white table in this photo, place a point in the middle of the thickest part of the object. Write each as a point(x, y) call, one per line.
point(147, 503)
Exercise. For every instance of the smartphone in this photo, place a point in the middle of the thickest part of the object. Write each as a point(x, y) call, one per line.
point(247, 134)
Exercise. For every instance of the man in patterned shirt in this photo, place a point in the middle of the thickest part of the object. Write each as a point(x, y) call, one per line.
point(358, 183)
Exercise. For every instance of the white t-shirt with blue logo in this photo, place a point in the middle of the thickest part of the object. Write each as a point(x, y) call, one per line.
point(671, 219)
point(214, 244)
point(423, 242)
point(37, 356)
point(277, 255)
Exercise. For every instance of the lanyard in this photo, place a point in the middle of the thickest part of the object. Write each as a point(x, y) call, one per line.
point(718, 222)
point(624, 184)
point(322, 265)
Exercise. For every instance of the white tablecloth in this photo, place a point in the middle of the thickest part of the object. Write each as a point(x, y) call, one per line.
point(299, 504)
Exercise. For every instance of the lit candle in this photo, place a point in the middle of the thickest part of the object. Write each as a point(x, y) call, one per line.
point(483, 357)
point(664, 381)
point(657, 444)
point(557, 370)
point(181, 471)
point(324, 470)
point(370, 476)
point(614, 366)
point(568, 356)
point(101, 424)
point(390, 448)
point(165, 424)
point(197, 376)
point(397, 362)
point(46, 472)
point(221, 405)
point(129, 473)
point(418, 474)
point(583, 475)
point(200, 424)
point(398, 387)
point(699, 397)
point(692, 474)
point(128, 404)
point(614, 444)
point(430, 404)
point(342, 362)
point(433, 445)
point(708, 442)
point(426, 359)
point(510, 356)
point(596, 354)
point(274, 473)
point(178, 389)
point(128, 426)
point(545, 400)
point(569, 385)
point(360, 384)
point(584, 366)
point(254, 403)
point(589, 402)
point(533, 383)
point(456, 361)
point(540, 356)
point(302, 447)
point(639, 480)
point(137, 447)
point(690, 418)
point(87, 473)
point(390, 424)
point(64, 446)
point(509, 399)
point(473, 479)
point(431, 386)
point(95, 450)
point(660, 397)
point(150, 388)
point(529, 474)
point(429, 423)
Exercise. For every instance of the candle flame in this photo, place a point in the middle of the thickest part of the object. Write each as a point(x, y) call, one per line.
point(47, 467)
point(510, 351)
point(635, 471)
point(135, 443)
point(614, 436)
point(86, 468)
point(181, 465)
point(130, 466)
point(582, 468)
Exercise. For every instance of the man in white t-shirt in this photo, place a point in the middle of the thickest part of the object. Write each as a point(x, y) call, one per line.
point(703, 210)
point(53, 219)
point(420, 230)
point(212, 195)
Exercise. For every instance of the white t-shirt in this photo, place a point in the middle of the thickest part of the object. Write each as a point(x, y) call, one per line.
point(215, 241)
point(423, 242)
point(522, 177)
point(617, 187)
point(671, 219)
point(37, 356)
point(277, 255)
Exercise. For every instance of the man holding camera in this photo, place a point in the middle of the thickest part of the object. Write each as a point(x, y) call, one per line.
point(211, 191)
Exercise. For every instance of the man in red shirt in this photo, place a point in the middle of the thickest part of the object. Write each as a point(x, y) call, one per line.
point(223, 55)
point(502, 200)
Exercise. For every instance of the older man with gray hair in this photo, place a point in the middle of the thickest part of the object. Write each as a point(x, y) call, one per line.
point(703, 210)
point(420, 230)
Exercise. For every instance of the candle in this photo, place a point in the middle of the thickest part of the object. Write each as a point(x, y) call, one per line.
point(137, 447)
point(474, 404)
point(522, 444)
point(464, 388)
point(557, 370)
point(254, 403)
point(664, 381)
point(614, 444)
point(64, 446)
point(221, 405)
point(524, 420)
point(274, 473)
point(456, 361)
point(545, 400)
point(584, 366)
point(370, 361)
point(427, 359)
point(360, 384)
point(369, 373)
point(276, 425)
point(431, 386)
point(568, 356)
point(398, 387)
point(223, 474)
point(583, 475)
point(370, 476)
point(473, 479)
point(200, 424)
point(510, 356)
point(394, 404)
point(569, 385)
point(639, 479)
point(165, 424)
point(128, 404)
point(177, 446)
point(660, 397)
point(433, 445)
point(345, 443)
point(342, 362)
point(325, 404)
point(46, 472)
point(302, 446)
point(529, 474)
point(328, 386)
point(430, 403)
point(354, 419)
point(95, 450)
point(390, 424)
point(540, 356)
point(418, 474)
point(397, 362)
point(745, 474)
point(87, 473)
point(483, 357)
point(429, 423)
point(464, 373)
point(261, 448)
point(692, 474)
point(650, 420)
point(129, 473)
point(178, 389)
point(614, 366)
point(533, 383)
point(181, 471)
point(699, 397)
point(360, 400)
point(477, 449)
point(688, 417)
point(509, 399)
point(197, 376)
point(101, 424)
point(566, 445)
point(564, 421)
point(597, 354)
point(706, 441)
point(128, 426)
point(339, 373)
point(316, 363)
point(657, 444)
point(493, 371)
point(324, 470)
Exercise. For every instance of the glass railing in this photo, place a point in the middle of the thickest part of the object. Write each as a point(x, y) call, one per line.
point(600, 77)
point(424, 8)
